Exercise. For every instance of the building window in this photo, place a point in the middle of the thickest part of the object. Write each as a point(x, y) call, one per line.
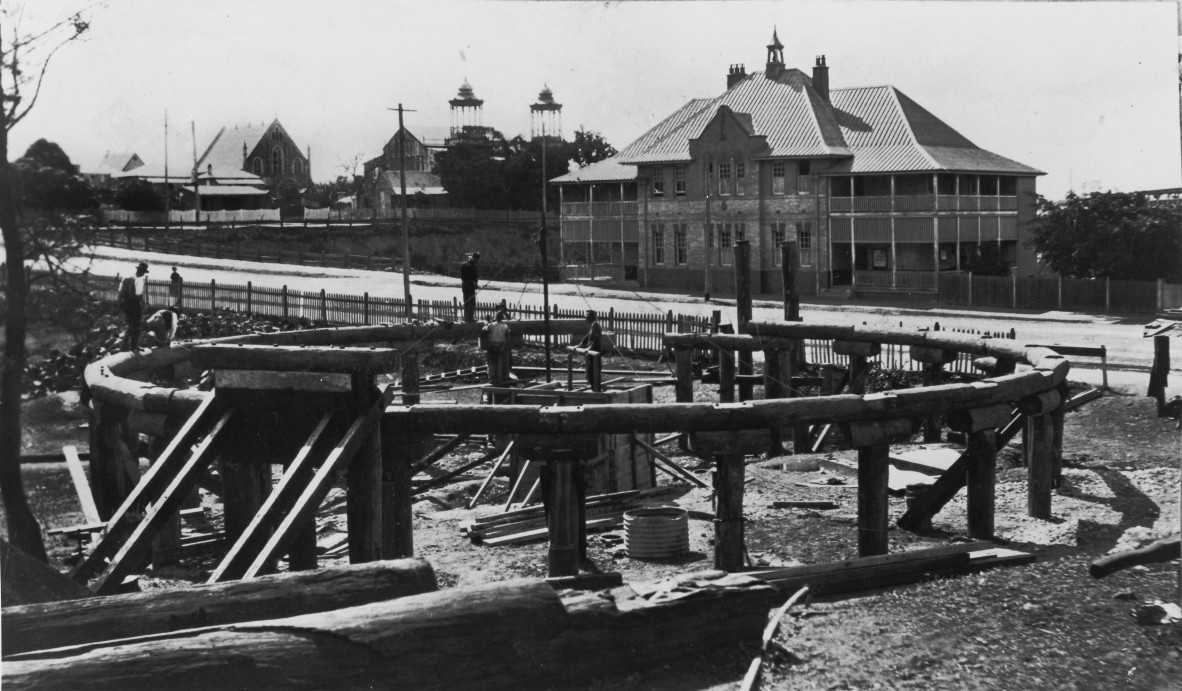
point(680, 252)
point(804, 235)
point(740, 176)
point(725, 244)
point(657, 231)
point(779, 232)
point(658, 181)
point(804, 181)
point(276, 161)
point(257, 165)
point(679, 180)
point(740, 232)
point(297, 167)
point(778, 171)
point(724, 178)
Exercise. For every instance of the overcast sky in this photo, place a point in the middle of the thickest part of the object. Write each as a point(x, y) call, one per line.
point(1087, 92)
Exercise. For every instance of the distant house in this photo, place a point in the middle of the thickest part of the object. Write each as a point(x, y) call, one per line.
point(381, 186)
point(112, 165)
point(878, 193)
point(423, 191)
point(264, 152)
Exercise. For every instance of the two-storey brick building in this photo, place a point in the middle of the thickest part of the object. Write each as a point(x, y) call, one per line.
point(879, 194)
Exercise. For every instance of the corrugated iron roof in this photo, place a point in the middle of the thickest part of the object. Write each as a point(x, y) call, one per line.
point(608, 170)
point(224, 153)
point(227, 191)
point(875, 129)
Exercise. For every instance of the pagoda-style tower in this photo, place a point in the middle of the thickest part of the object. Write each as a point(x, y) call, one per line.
point(467, 116)
point(545, 116)
point(775, 57)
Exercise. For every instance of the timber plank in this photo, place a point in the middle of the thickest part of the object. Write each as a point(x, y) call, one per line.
point(81, 484)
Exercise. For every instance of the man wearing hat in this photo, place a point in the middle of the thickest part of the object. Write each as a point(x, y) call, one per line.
point(131, 301)
point(468, 281)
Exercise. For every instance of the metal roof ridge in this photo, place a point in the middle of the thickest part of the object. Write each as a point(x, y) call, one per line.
point(209, 149)
point(894, 93)
point(809, 92)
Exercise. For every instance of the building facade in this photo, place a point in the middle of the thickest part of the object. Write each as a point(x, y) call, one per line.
point(265, 151)
point(878, 193)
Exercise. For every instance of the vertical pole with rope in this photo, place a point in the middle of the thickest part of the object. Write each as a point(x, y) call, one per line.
point(405, 229)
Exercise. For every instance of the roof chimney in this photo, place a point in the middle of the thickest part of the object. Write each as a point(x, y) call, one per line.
point(736, 74)
point(821, 78)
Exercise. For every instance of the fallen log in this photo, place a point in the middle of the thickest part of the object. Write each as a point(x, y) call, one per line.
point(56, 624)
point(505, 635)
point(1160, 550)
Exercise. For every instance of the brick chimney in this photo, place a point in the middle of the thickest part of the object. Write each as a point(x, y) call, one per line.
point(736, 74)
point(821, 78)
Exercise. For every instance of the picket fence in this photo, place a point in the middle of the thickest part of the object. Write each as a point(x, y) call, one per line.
point(630, 332)
point(1056, 293)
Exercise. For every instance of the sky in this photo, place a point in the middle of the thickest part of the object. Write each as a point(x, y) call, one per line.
point(1085, 91)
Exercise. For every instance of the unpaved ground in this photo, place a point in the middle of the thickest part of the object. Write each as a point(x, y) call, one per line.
point(1042, 626)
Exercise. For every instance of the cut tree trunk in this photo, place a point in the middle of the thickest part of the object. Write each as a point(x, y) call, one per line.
point(90, 620)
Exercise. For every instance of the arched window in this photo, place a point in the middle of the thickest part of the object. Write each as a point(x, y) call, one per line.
point(297, 166)
point(257, 165)
point(277, 161)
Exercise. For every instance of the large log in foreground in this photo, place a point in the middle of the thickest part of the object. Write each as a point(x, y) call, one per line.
point(512, 634)
point(74, 622)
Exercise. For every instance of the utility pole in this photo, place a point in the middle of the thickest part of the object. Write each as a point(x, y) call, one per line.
point(196, 194)
point(545, 276)
point(167, 185)
point(405, 226)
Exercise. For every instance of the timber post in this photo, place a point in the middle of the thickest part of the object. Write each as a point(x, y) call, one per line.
point(109, 457)
point(859, 353)
point(564, 515)
point(777, 375)
point(1159, 372)
point(872, 440)
point(399, 451)
point(245, 484)
point(980, 425)
point(729, 547)
point(790, 269)
point(743, 312)
point(684, 364)
point(933, 360)
point(364, 490)
point(726, 375)
point(1038, 440)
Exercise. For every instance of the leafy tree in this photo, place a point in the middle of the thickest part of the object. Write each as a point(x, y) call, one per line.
point(590, 147)
point(46, 179)
point(21, 77)
point(138, 195)
point(1108, 235)
point(473, 172)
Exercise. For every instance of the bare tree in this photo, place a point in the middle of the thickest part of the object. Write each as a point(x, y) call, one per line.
point(24, 60)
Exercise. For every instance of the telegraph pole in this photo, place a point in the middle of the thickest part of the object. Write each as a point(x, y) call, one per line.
point(167, 185)
point(545, 277)
point(405, 226)
point(196, 193)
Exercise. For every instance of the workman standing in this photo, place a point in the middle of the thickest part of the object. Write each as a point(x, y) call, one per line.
point(497, 346)
point(131, 302)
point(469, 278)
point(176, 286)
point(592, 343)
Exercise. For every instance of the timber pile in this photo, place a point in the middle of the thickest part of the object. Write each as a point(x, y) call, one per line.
point(508, 635)
point(94, 619)
point(604, 512)
point(893, 569)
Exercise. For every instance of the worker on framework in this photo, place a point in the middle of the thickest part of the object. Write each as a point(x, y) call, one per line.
point(162, 326)
point(131, 302)
point(469, 277)
point(592, 348)
point(496, 344)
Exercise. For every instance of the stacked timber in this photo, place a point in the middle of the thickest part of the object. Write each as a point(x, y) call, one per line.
point(510, 635)
point(603, 512)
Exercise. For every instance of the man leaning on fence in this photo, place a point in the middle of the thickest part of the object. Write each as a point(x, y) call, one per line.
point(131, 302)
point(469, 278)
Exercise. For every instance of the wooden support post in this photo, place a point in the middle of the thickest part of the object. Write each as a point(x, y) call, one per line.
point(775, 384)
point(729, 547)
point(743, 311)
point(859, 353)
point(399, 450)
point(245, 484)
point(790, 269)
point(684, 359)
point(982, 480)
point(801, 439)
point(1159, 372)
point(1037, 451)
point(301, 555)
point(364, 490)
point(726, 375)
point(562, 517)
point(873, 466)
point(410, 378)
point(1058, 416)
point(110, 458)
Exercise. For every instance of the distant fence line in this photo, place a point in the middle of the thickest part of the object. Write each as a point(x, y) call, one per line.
point(326, 215)
point(631, 332)
point(1057, 293)
point(191, 216)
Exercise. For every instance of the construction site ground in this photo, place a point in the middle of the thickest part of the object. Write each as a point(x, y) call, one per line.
point(1043, 626)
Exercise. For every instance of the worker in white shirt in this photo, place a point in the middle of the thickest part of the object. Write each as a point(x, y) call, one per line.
point(497, 345)
point(163, 325)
